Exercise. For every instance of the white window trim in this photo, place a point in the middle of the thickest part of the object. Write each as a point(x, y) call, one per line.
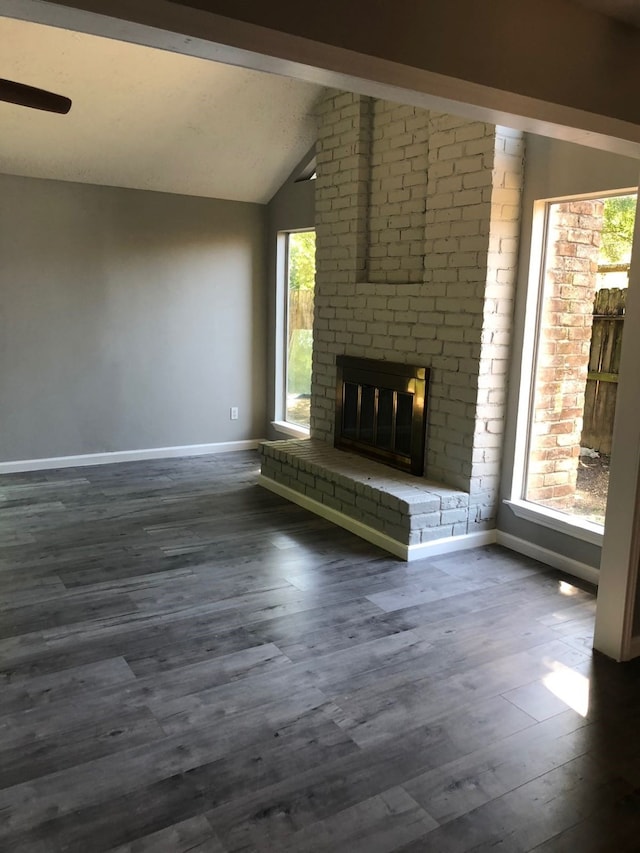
point(280, 326)
point(529, 345)
point(294, 430)
point(279, 421)
point(570, 525)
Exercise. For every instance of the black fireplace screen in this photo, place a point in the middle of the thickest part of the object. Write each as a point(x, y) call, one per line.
point(381, 411)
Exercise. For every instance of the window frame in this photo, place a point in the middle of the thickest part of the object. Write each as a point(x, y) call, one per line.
point(280, 421)
point(562, 522)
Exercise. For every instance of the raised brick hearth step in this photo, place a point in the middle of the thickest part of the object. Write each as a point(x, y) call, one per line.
point(406, 509)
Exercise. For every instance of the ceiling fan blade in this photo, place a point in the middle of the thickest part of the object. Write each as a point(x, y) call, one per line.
point(29, 96)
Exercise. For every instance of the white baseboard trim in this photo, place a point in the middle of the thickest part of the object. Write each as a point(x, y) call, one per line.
point(125, 456)
point(370, 534)
point(449, 544)
point(551, 558)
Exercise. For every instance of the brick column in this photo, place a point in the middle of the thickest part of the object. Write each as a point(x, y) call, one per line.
point(573, 243)
point(495, 343)
point(342, 195)
point(398, 191)
point(417, 220)
point(458, 221)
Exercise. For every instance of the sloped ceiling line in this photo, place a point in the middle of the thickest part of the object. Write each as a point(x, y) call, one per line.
point(150, 119)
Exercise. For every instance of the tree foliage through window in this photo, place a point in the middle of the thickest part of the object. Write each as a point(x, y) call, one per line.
point(302, 260)
point(617, 230)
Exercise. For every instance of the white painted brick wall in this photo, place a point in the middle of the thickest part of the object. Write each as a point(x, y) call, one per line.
point(502, 266)
point(457, 241)
point(397, 193)
point(417, 229)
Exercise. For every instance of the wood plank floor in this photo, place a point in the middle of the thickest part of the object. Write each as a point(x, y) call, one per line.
point(189, 663)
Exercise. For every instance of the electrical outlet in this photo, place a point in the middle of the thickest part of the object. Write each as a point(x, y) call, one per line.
point(233, 413)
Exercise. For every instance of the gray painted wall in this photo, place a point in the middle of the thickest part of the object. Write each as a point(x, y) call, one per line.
point(292, 208)
point(128, 319)
point(552, 169)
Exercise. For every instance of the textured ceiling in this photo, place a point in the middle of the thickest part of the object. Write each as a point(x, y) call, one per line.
point(150, 119)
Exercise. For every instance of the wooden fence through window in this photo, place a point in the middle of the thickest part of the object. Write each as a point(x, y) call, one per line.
point(300, 311)
point(604, 365)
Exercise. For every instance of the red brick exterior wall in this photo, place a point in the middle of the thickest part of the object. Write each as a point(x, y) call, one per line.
point(563, 356)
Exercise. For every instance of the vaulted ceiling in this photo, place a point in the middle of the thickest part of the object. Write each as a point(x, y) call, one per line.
point(150, 119)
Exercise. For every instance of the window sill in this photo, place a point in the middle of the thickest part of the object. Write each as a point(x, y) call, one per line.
point(293, 430)
point(588, 531)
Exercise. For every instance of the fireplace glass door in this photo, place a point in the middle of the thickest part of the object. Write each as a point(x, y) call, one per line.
point(380, 411)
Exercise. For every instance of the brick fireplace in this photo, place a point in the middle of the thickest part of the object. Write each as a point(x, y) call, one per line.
point(417, 222)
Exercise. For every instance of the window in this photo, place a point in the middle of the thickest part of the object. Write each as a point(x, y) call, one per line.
point(572, 356)
point(296, 300)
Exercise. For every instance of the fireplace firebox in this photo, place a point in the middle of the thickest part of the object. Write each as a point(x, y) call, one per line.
point(381, 410)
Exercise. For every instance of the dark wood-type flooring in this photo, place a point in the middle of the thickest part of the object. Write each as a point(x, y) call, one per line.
point(189, 663)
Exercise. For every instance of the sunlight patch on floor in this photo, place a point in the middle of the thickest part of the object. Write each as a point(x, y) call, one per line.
point(569, 686)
